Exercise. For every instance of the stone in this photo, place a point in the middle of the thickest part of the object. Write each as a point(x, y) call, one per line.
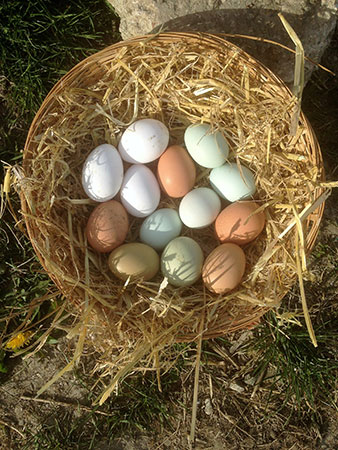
point(314, 22)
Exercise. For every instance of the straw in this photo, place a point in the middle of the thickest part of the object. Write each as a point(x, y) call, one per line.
point(298, 80)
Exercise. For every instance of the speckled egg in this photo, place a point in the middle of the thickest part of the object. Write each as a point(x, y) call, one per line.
point(107, 226)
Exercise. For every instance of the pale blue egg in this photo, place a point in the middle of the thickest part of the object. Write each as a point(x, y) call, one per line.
point(233, 183)
point(160, 228)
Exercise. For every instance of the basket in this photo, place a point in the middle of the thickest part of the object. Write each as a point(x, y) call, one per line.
point(179, 78)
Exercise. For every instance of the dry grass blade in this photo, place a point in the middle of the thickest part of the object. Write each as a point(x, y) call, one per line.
point(303, 297)
point(2, 422)
point(196, 382)
point(298, 80)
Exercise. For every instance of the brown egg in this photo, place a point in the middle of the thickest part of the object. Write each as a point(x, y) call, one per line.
point(224, 268)
point(107, 226)
point(176, 171)
point(233, 225)
point(135, 260)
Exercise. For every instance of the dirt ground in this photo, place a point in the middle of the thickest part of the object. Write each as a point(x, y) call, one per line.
point(232, 414)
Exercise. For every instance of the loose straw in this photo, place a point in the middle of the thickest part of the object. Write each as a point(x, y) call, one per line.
point(298, 81)
point(197, 373)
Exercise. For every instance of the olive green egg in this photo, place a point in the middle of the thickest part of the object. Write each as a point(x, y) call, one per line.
point(135, 260)
point(182, 261)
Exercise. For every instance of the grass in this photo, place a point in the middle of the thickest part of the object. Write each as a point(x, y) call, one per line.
point(40, 41)
point(292, 366)
point(139, 407)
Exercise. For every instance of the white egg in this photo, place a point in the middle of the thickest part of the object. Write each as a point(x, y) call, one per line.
point(102, 173)
point(231, 183)
point(160, 227)
point(199, 208)
point(140, 192)
point(144, 141)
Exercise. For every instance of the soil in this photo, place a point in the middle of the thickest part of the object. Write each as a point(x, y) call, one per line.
point(229, 416)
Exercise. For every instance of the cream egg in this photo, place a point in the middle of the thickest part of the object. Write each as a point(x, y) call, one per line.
point(199, 208)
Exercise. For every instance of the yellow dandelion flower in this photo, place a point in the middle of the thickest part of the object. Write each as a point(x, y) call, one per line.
point(18, 341)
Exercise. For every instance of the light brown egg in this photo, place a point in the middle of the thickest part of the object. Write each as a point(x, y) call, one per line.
point(107, 226)
point(234, 225)
point(176, 171)
point(135, 260)
point(224, 268)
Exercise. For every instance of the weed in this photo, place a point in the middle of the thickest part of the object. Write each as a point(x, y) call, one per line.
point(137, 408)
point(292, 365)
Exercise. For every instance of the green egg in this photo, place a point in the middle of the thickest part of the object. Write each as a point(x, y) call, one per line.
point(182, 261)
point(209, 149)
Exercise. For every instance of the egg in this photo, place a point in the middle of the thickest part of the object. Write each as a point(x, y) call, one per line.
point(176, 171)
point(140, 192)
point(208, 148)
point(160, 227)
point(143, 141)
point(231, 183)
point(107, 226)
point(224, 268)
point(237, 223)
point(181, 261)
point(102, 173)
point(199, 208)
point(135, 260)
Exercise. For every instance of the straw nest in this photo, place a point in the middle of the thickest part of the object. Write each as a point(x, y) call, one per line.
point(178, 78)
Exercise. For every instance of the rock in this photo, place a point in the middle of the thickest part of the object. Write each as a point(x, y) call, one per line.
point(314, 22)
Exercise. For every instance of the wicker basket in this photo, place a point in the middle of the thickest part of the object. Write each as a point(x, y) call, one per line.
point(55, 209)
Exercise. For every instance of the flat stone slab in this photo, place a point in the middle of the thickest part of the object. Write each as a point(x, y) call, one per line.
point(313, 21)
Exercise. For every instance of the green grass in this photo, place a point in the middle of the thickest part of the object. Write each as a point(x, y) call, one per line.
point(291, 367)
point(139, 407)
point(40, 41)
